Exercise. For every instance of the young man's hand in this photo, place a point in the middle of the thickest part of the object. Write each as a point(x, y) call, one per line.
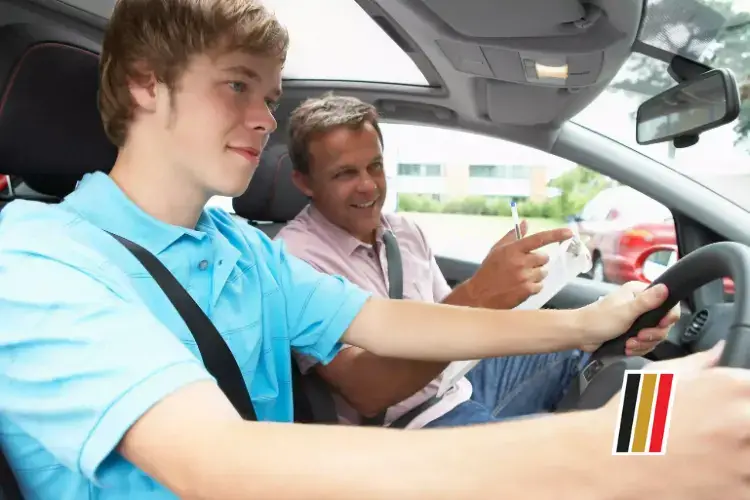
point(614, 315)
point(709, 429)
point(512, 270)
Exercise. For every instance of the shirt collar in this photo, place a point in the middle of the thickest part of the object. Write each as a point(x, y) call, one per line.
point(347, 242)
point(98, 199)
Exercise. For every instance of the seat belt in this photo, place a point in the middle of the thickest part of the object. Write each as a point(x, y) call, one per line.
point(319, 401)
point(9, 488)
point(313, 402)
point(395, 266)
point(217, 357)
point(395, 291)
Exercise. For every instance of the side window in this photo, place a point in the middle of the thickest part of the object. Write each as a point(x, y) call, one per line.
point(458, 187)
point(224, 202)
point(596, 209)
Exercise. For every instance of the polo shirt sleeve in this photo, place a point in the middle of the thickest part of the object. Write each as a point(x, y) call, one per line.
point(320, 307)
point(81, 357)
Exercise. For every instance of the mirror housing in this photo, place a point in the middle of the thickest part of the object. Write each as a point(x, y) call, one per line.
point(655, 260)
point(682, 112)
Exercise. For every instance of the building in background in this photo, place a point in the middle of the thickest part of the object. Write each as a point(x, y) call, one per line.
point(446, 164)
point(445, 181)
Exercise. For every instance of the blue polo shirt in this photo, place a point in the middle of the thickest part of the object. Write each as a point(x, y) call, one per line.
point(88, 342)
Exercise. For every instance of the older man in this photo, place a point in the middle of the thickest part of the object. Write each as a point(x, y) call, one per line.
point(337, 150)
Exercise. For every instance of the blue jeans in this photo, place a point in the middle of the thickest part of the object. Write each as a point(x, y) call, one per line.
point(515, 386)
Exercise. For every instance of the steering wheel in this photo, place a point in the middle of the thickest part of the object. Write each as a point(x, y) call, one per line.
point(603, 375)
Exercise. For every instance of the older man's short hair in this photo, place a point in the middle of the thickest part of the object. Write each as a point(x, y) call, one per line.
point(321, 114)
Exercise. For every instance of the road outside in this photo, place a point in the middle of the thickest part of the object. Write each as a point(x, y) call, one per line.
point(469, 237)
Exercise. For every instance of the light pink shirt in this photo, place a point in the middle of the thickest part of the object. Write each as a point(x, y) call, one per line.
point(330, 249)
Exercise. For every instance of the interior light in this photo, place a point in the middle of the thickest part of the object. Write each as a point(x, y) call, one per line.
point(544, 71)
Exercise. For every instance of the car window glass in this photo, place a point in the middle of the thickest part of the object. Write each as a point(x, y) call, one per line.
point(463, 206)
point(224, 202)
point(596, 209)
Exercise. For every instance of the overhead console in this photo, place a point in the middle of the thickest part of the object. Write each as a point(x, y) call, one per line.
point(524, 66)
point(552, 43)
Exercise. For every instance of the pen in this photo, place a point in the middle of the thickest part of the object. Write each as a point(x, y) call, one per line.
point(516, 222)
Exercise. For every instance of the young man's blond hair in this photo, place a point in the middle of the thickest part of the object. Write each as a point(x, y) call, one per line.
point(162, 36)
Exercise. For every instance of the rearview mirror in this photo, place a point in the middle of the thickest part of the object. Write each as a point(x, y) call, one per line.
point(654, 261)
point(689, 108)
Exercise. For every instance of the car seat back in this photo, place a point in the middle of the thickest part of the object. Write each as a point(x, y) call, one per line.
point(271, 200)
point(51, 132)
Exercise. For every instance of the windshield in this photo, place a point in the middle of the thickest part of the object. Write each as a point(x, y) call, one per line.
point(714, 32)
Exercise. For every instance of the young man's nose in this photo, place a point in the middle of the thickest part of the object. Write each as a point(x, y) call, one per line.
point(260, 119)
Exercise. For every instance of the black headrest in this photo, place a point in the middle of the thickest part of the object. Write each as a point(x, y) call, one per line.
point(271, 196)
point(51, 132)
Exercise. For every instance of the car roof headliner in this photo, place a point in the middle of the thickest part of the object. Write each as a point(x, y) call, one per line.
point(471, 54)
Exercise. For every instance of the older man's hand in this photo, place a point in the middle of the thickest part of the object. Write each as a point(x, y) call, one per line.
point(512, 270)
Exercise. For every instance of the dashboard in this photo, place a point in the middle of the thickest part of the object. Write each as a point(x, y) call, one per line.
point(707, 326)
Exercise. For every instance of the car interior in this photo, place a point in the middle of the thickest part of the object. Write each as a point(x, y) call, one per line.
point(474, 56)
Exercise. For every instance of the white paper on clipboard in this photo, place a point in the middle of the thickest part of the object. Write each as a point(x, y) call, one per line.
point(567, 261)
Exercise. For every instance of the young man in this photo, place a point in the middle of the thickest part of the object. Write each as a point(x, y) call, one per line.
point(103, 391)
point(336, 146)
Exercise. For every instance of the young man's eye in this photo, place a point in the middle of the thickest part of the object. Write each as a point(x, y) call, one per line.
point(272, 105)
point(238, 87)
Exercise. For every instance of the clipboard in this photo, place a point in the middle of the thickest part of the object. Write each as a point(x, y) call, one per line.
point(567, 261)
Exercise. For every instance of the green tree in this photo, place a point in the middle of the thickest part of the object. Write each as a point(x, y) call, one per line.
point(688, 27)
point(577, 186)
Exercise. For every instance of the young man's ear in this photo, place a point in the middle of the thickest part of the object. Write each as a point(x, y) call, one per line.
point(145, 90)
point(302, 181)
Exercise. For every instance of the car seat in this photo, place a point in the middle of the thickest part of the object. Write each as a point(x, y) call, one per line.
point(50, 127)
point(272, 199)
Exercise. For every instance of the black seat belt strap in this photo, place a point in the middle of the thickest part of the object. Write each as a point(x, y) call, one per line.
point(313, 401)
point(10, 488)
point(395, 291)
point(217, 357)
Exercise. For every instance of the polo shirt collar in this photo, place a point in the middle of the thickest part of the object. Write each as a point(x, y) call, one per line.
point(340, 236)
point(100, 200)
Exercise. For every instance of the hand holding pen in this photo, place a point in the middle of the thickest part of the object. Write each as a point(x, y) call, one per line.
point(513, 270)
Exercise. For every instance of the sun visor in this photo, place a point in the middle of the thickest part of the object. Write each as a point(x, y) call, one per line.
point(512, 18)
point(534, 42)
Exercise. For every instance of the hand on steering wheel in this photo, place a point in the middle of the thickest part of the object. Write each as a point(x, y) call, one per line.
point(615, 313)
point(603, 376)
point(690, 365)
